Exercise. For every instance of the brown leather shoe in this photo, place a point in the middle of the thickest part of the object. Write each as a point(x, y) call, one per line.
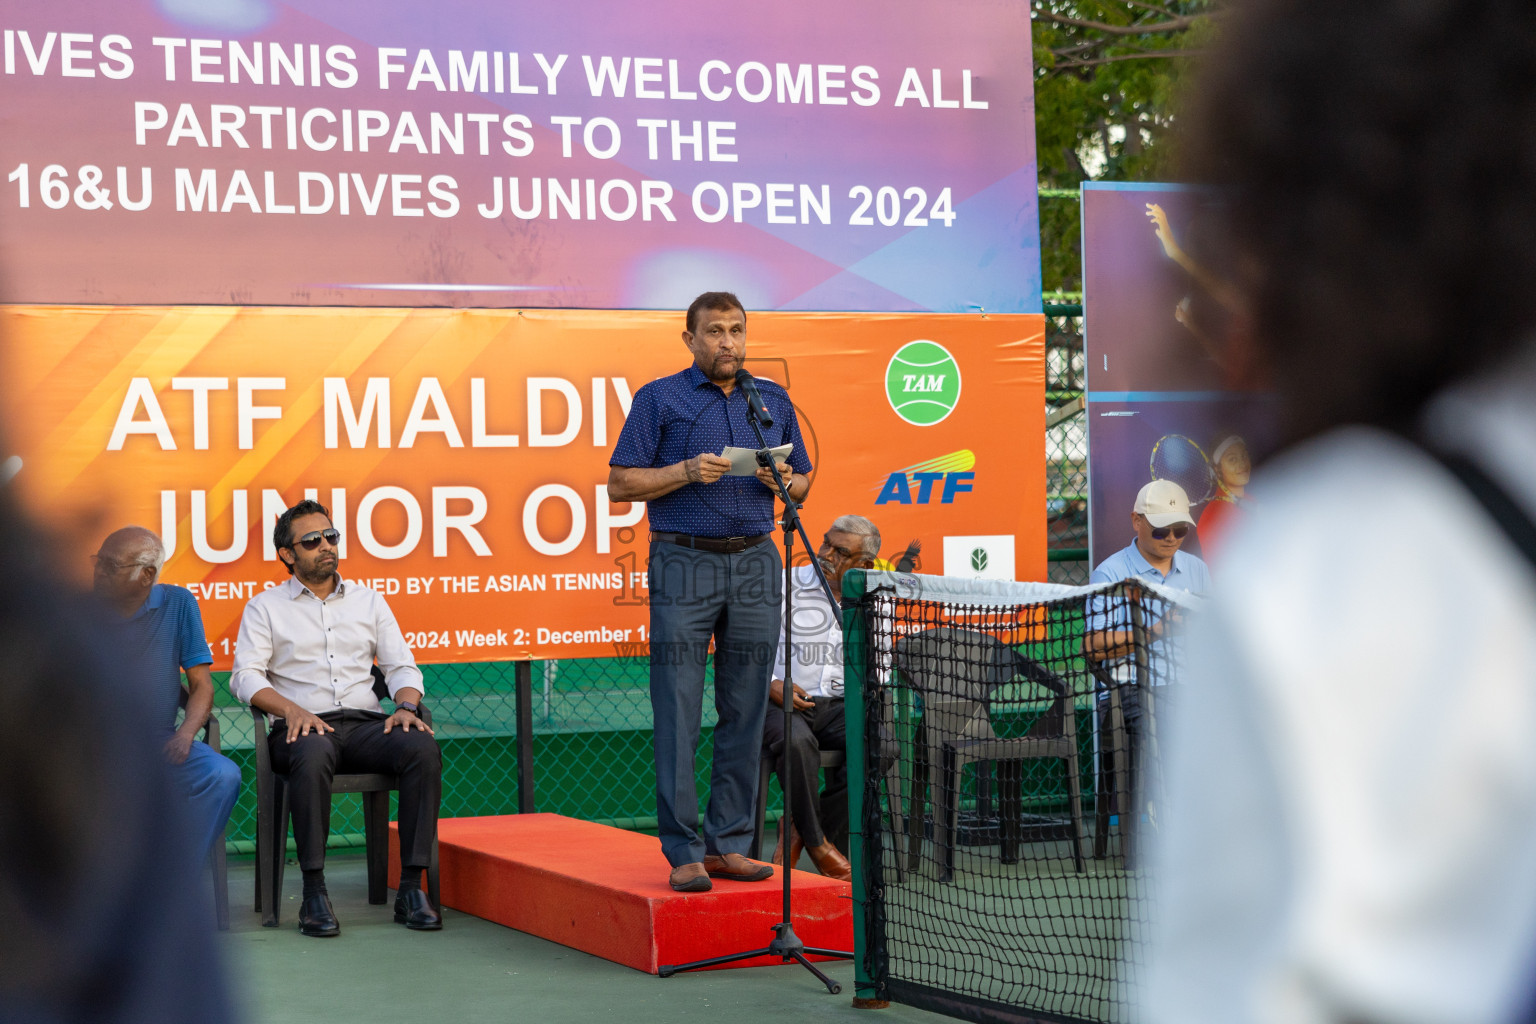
point(690, 878)
point(794, 850)
point(830, 861)
point(736, 868)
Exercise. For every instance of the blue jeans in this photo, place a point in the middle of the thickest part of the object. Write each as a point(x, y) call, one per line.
point(735, 598)
point(210, 782)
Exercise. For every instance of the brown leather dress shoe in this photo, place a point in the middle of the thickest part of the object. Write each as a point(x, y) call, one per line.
point(794, 850)
point(736, 868)
point(690, 878)
point(830, 861)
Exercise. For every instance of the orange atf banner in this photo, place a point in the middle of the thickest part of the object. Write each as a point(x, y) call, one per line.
point(464, 452)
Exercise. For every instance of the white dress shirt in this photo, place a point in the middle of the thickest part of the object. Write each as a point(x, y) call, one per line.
point(1351, 821)
point(320, 654)
point(817, 635)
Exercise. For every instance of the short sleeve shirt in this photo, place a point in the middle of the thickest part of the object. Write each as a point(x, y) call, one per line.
point(678, 417)
point(165, 635)
point(817, 632)
point(1187, 573)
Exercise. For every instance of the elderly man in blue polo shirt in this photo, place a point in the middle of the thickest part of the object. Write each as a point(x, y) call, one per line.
point(160, 626)
point(714, 572)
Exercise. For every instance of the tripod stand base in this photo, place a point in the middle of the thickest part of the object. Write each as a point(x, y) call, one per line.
point(786, 945)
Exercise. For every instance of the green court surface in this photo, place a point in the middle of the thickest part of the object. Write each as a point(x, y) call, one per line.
point(1017, 934)
point(377, 972)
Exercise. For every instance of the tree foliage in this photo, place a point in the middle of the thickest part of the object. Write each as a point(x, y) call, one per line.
point(1107, 77)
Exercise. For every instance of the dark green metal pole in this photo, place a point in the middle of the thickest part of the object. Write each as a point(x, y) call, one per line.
point(855, 666)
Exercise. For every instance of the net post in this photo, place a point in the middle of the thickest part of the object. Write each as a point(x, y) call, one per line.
point(855, 663)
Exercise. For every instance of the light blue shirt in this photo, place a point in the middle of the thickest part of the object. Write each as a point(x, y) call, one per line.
point(1187, 573)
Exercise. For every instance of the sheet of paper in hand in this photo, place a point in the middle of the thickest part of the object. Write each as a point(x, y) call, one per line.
point(744, 460)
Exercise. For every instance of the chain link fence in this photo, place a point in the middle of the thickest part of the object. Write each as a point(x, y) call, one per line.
point(590, 729)
point(1066, 444)
point(589, 754)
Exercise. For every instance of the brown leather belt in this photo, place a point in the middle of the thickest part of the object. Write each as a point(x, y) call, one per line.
point(718, 545)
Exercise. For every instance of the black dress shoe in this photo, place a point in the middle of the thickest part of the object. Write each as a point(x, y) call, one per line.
point(316, 917)
point(414, 910)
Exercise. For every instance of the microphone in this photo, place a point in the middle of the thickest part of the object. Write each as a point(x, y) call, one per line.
point(754, 399)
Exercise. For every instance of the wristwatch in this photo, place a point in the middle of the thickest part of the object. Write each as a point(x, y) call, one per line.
point(406, 705)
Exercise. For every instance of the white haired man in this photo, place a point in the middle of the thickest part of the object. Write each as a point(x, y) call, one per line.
point(821, 821)
point(160, 626)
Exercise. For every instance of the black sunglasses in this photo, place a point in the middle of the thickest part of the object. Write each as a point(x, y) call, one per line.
point(1179, 530)
point(311, 541)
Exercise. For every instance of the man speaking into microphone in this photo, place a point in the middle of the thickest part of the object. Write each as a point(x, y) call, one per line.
point(714, 572)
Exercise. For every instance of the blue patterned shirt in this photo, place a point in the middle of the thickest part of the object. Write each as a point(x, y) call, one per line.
point(678, 417)
point(165, 636)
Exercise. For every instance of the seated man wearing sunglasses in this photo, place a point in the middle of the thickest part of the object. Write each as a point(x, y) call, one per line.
point(1161, 520)
point(305, 657)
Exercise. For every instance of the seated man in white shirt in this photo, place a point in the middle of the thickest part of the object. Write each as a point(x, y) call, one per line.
point(305, 657)
point(821, 824)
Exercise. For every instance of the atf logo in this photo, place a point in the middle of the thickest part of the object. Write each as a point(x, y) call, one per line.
point(922, 383)
point(937, 479)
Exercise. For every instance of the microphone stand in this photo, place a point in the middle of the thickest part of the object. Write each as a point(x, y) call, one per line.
point(786, 945)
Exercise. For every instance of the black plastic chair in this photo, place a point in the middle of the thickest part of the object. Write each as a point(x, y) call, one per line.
point(272, 818)
point(1118, 786)
point(1121, 787)
point(217, 859)
point(956, 672)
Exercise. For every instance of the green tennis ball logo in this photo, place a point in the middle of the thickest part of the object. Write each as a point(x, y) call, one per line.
point(923, 383)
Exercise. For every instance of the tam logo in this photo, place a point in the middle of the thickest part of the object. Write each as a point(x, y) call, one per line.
point(900, 487)
point(922, 382)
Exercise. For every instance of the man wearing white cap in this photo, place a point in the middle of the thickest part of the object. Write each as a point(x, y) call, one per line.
point(1161, 520)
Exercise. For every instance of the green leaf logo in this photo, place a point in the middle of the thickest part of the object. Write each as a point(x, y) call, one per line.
point(979, 559)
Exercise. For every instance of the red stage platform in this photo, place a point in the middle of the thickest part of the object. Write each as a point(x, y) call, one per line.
point(604, 891)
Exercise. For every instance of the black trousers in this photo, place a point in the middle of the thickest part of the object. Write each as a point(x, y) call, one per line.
point(360, 745)
point(818, 818)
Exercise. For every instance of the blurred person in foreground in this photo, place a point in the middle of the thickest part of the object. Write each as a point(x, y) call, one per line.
point(105, 918)
point(820, 822)
point(160, 625)
point(1351, 814)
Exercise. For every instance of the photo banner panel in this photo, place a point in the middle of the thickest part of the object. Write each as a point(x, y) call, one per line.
point(464, 452)
point(1157, 320)
point(854, 156)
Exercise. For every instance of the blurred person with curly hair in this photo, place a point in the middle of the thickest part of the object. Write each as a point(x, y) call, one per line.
point(1351, 809)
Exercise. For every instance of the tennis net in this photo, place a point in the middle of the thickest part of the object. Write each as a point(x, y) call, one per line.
point(1011, 779)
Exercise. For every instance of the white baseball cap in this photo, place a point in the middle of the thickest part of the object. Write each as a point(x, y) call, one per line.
point(1164, 503)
